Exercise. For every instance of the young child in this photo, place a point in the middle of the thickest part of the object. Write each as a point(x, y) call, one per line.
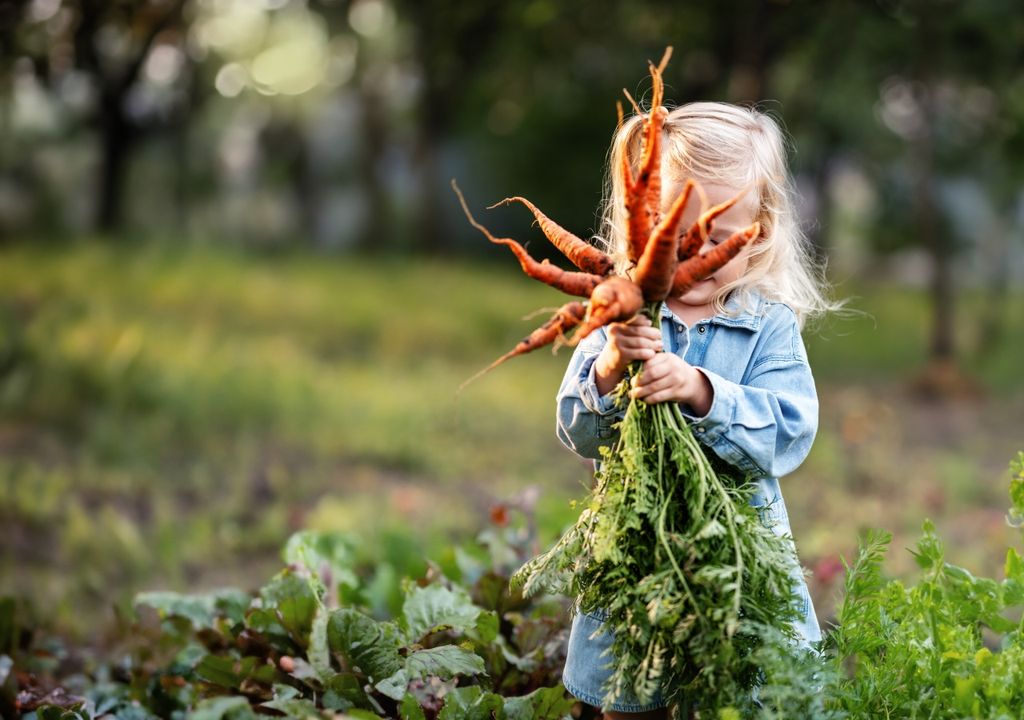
point(729, 350)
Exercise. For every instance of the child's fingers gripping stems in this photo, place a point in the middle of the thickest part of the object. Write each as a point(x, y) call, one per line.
point(627, 342)
point(635, 340)
point(664, 377)
point(667, 377)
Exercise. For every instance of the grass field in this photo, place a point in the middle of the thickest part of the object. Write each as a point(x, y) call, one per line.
point(168, 416)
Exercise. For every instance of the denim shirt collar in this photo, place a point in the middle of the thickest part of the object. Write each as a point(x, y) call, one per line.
point(735, 315)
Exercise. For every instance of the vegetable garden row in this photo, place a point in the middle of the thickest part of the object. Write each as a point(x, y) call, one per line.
point(307, 645)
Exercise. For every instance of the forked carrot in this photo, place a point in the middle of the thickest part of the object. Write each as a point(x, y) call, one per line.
point(573, 283)
point(695, 237)
point(692, 271)
point(565, 318)
point(582, 254)
point(643, 193)
point(655, 124)
point(657, 266)
point(615, 300)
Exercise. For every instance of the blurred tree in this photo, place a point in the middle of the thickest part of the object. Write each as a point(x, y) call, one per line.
point(282, 62)
point(910, 90)
point(111, 42)
point(450, 39)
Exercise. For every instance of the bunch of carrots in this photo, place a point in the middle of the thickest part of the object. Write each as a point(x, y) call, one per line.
point(667, 546)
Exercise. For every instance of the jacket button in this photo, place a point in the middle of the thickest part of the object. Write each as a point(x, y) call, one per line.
point(702, 329)
point(700, 428)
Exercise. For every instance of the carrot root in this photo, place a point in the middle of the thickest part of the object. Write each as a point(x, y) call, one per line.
point(656, 270)
point(582, 254)
point(572, 283)
point(565, 318)
point(692, 271)
point(615, 300)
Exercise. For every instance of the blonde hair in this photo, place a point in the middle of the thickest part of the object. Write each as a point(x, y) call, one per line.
point(719, 143)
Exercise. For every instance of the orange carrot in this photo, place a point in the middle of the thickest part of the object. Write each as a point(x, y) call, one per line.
point(572, 283)
point(583, 255)
point(652, 168)
point(697, 268)
point(565, 318)
point(641, 212)
point(638, 224)
point(643, 194)
point(657, 266)
point(654, 126)
point(614, 300)
point(695, 237)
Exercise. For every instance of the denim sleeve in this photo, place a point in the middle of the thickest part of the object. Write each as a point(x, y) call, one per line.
point(586, 419)
point(764, 426)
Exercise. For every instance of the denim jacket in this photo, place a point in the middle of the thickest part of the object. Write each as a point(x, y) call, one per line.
point(764, 414)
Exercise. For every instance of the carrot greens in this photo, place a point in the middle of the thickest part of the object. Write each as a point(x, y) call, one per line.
point(685, 569)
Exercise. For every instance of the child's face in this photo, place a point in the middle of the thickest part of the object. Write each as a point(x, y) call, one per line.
point(738, 217)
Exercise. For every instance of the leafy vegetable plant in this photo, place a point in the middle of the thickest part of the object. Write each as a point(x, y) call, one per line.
point(950, 646)
point(307, 646)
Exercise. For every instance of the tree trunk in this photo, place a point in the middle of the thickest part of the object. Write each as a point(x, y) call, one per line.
point(941, 339)
point(929, 232)
point(304, 184)
point(747, 76)
point(427, 220)
point(116, 144)
point(376, 235)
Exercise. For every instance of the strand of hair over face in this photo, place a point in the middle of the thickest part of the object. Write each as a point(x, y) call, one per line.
point(736, 146)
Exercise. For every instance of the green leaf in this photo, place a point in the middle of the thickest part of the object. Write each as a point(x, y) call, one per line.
point(223, 708)
point(220, 670)
point(430, 608)
point(542, 704)
point(471, 703)
point(287, 700)
point(445, 662)
point(929, 554)
point(1017, 490)
point(330, 557)
point(365, 643)
point(188, 657)
point(410, 708)
point(56, 712)
point(343, 691)
point(710, 530)
point(395, 686)
point(361, 714)
point(487, 625)
point(319, 652)
point(964, 694)
point(293, 597)
point(200, 610)
point(1014, 567)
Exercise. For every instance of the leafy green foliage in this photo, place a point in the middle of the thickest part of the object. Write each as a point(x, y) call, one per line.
point(456, 650)
point(950, 646)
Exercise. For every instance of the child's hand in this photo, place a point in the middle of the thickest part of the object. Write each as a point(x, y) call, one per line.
point(667, 377)
point(634, 340)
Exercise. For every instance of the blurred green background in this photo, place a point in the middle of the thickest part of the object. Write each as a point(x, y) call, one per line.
point(237, 296)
